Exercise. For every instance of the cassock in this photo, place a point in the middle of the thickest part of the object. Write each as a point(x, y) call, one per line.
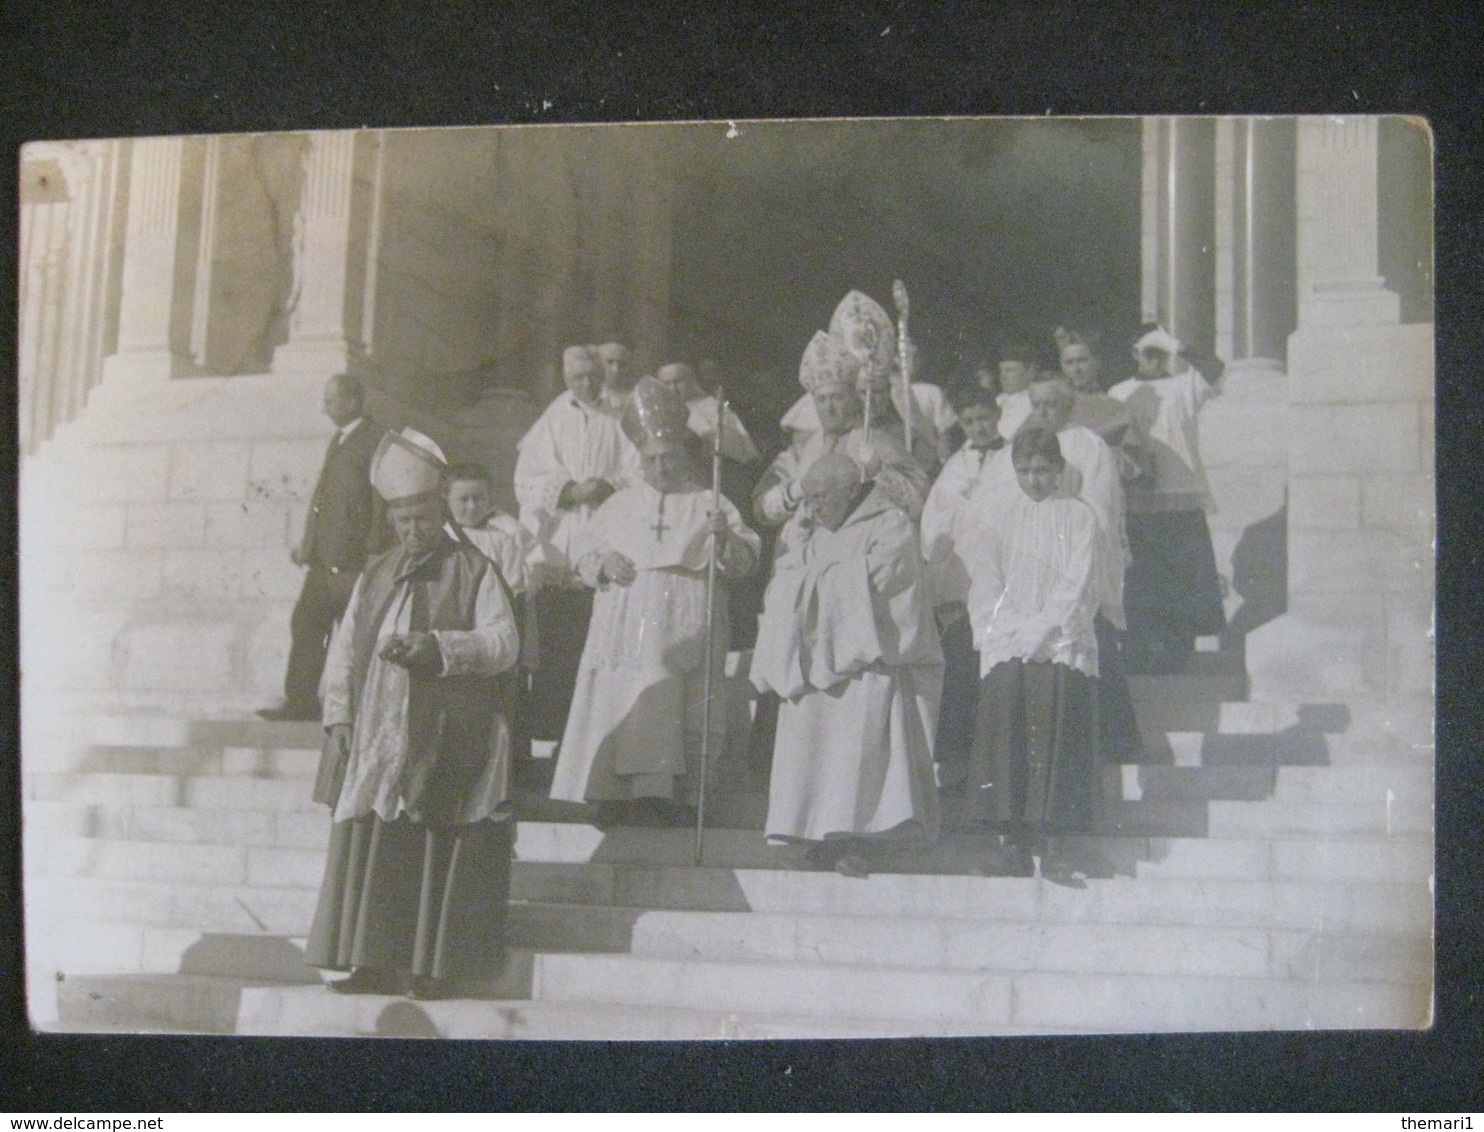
point(1032, 600)
point(1174, 590)
point(569, 443)
point(640, 679)
point(847, 640)
point(417, 875)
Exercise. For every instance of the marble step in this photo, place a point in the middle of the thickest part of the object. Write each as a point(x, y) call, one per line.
point(947, 1001)
point(1376, 816)
point(211, 1004)
point(146, 729)
point(249, 762)
point(209, 908)
point(1398, 860)
point(1356, 905)
point(305, 826)
point(1183, 702)
point(195, 791)
point(216, 864)
point(1084, 948)
point(281, 1011)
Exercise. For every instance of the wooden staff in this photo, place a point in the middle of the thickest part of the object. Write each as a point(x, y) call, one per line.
point(708, 678)
point(899, 297)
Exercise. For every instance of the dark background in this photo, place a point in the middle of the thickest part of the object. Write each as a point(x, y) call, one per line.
point(77, 70)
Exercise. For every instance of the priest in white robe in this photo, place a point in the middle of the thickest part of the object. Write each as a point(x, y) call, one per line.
point(633, 738)
point(847, 641)
point(570, 461)
point(416, 761)
point(1035, 773)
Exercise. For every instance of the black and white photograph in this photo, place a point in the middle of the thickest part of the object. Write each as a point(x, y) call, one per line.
point(854, 578)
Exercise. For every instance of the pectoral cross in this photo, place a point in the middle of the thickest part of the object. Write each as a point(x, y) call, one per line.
point(659, 527)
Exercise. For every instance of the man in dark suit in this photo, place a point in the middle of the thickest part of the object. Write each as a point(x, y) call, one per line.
point(345, 526)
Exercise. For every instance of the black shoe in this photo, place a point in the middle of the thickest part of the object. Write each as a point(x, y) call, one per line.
point(1058, 870)
point(853, 865)
point(291, 713)
point(369, 980)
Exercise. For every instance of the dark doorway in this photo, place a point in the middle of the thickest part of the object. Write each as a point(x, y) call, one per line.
point(997, 227)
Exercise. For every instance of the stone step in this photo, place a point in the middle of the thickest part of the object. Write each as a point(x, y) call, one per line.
point(1153, 817)
point(942, 1001)
point(571, 927)
point(166, 861)
point(241, 909)
point(1359, 905)
point(960, 945)
point(146, 729)
point(1349, 785)
point(1183, 702)
point(310, 1011)
point(247, 762)
point(1373, 817)
point(741, 811)
point(1399, 860)
point(195, 791)
point(211, 1004)
point(1202, 783)
point(574, 843)
point(305, 826)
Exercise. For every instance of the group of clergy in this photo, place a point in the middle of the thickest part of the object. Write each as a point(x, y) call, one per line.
point(1014, 569)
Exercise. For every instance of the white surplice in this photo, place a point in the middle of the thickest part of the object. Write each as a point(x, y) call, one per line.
point(955, 483)
point(640, 680)
point(569, 443)
point(1164, 412)
point(848, 641)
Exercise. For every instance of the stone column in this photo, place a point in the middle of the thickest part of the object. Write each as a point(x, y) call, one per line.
point(1360, 517)
point(1180, 155)
point(331, 229)
point(160, 241)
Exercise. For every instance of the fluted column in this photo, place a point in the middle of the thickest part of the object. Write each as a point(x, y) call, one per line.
point(160, 243)
point(326, 303)
point(1264, 303)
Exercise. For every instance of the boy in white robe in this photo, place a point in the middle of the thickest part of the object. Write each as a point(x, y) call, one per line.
point(979, 414)
point(1035, 773)
point(633, 737)
point(847, 641)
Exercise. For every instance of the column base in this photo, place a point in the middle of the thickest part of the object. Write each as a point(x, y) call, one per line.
point(1361, 302)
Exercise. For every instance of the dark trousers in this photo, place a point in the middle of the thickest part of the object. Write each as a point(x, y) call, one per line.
point(321, 604)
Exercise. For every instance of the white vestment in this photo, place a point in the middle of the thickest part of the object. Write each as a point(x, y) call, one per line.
point(933, 414)
point(847, 639)
point(775, 499)
point(378, 744)
point(1033, 571)
point(947, 580)
point(639, 683)
point(507, 544)
point(1092, 476)
point(1164, 411)
point(569, 443)
point(1015, 410)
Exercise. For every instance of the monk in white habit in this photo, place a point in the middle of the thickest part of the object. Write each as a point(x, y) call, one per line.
point(1035, 773)
point(847, 641)
point(416, 761)
point(633, 738)
point(573, 458)
point(829, 375)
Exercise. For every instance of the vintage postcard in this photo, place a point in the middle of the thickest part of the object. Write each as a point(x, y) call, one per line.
point(750, 579)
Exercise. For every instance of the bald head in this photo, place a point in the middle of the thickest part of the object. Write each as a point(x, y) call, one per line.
point(1052, 398)
point(830, 488)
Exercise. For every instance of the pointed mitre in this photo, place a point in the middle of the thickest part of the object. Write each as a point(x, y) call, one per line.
point(655, 414)
point(865, 331)
point(824, 364)
point(406, 465)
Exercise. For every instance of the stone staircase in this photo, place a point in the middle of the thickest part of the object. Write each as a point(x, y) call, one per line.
point(1255, 876)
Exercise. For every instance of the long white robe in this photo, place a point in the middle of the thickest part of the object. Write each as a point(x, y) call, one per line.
point(955, 483)
point(570, 442)
point(378, 746)
point(848, 641)
point(1033, 583)
point(640, 680)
